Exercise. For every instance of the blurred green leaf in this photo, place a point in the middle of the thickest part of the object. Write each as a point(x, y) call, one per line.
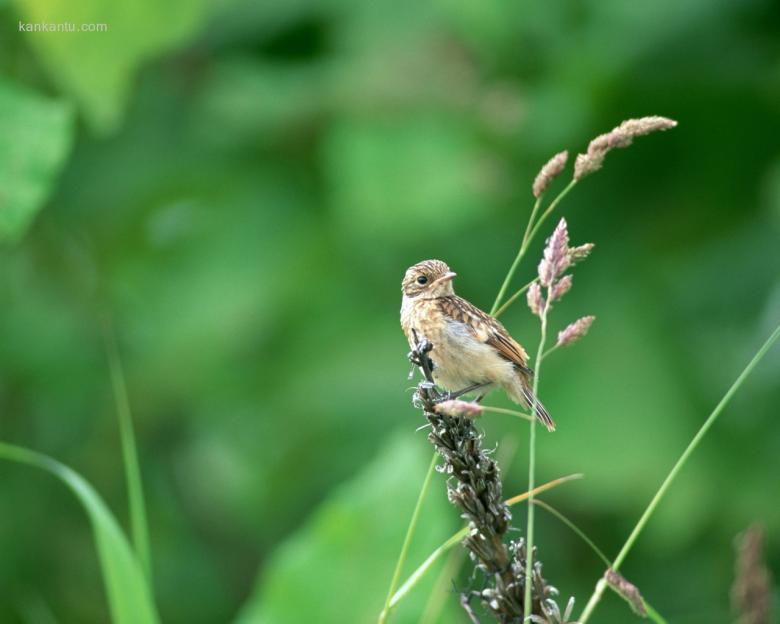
point(392, 177)
point(128, 595)
point(35, 137)
point(97, 67)
point(353, 542)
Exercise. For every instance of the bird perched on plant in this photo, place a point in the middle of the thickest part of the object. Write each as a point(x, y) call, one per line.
point(471, 349)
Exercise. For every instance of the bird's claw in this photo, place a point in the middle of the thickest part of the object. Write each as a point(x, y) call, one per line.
point(441, 396)
point(421, 345)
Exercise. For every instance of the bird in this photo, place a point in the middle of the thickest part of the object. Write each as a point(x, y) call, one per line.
point(471, 349)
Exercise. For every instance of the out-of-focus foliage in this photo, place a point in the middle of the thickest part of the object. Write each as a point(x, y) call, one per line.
point(36, 136)
point(246, 185)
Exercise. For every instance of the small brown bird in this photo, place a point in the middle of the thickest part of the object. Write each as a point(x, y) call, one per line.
point(471, 349)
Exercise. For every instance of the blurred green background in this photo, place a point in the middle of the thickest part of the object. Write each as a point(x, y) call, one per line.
point(241, 186)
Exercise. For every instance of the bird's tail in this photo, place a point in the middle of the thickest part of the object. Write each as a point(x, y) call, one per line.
point(536, 405)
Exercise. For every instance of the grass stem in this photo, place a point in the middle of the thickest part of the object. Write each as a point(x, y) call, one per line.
point(531, 231)
point(407, 540)
point(513, 298)
point(507, 412)
point(532, 470)
point(139, 527)
point(553, 205)
point(521, 252)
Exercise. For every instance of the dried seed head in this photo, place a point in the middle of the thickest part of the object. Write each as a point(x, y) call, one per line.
point(573, 332)
point(535, 299)
point(455, 408)
point(751, 594)
point(551, 170)
point(644, 125)
point(627, 590)
point(621, 136)
point(560, 288)
point(556, 255)
point(585, 164)
point(579, 253)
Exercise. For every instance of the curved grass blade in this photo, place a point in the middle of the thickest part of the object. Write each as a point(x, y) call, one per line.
point(129, 597)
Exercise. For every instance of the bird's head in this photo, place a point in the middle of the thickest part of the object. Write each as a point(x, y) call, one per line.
point(428, 279)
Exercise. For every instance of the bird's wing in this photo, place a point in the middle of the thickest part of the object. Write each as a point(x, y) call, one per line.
point(486, 329)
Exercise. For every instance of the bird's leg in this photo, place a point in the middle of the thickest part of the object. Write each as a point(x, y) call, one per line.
point(466, 390)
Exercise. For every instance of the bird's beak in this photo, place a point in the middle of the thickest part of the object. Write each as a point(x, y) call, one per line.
point(447, 277)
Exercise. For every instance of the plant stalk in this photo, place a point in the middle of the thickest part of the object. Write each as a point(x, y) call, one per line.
point(523, 248)
point(527, 606)
point(512, 299)
point(407, 540)
point(139, 527)
point(551, 208)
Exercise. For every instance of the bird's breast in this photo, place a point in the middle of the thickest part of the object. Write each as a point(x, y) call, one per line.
point(423, 316)
point(460, 359)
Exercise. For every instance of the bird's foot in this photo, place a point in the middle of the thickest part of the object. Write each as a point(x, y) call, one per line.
point(419, 354)
point(467, 390)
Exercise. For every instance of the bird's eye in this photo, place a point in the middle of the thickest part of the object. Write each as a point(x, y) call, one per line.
point(422, 280)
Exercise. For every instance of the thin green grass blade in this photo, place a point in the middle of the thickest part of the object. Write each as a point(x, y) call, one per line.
point(135, 494)
point(407, 540)
point(129, 597)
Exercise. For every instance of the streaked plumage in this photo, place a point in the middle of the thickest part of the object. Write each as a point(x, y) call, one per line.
point(469, 346)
